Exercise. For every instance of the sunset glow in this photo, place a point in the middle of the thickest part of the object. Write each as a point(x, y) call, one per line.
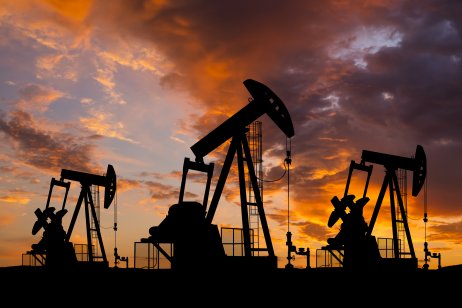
point(135, 84)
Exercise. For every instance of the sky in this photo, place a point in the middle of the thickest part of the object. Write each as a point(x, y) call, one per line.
point(134, 84)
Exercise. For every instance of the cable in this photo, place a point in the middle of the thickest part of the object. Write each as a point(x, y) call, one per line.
point(425, 219)
point(279, 178)
point(290, 247)
point(287, 162)
point(116, 255)
point(115, 220)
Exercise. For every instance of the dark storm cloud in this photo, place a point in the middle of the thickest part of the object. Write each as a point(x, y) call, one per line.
point(46, 150)
point(206, 40)
point(354, 75)
point(423, 75)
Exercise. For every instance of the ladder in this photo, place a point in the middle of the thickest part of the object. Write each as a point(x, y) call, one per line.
point(254, 138)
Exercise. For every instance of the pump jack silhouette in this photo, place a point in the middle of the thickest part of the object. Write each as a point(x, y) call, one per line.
point(188, 225)
point(55, 247)
point(355, 244)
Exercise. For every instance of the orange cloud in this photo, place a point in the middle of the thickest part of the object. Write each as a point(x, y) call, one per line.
point(75, 11)
point(37, 97)
point(106, 78)
point(162, 192)
point(57, 66)
point(15, 199)
point(141, 60)
point(101, 124)
point(126, 185)
point(338, 108)
point(447, 232)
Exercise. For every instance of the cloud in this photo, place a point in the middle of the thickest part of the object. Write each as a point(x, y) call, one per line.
point(127, 184)
point(11, 172)
point(313, 230)
point(37, 97)
point(308, 61)
point(176, 139)
point(57, 66)
point(162, 192)
point(39, 22)
point(143, 59)
point(76, 12)
point(122, 54)
point(86, 101)
point(363, 41)
point(379, 75)
point(101, 123)
point(165, 193)
point(14, 199)
point(105, 76)
point(449, 232)
point(46, 150)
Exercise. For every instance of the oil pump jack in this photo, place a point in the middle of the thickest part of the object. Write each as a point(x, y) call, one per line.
point(188, 224)
point(355, 242)
point(55, 246)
